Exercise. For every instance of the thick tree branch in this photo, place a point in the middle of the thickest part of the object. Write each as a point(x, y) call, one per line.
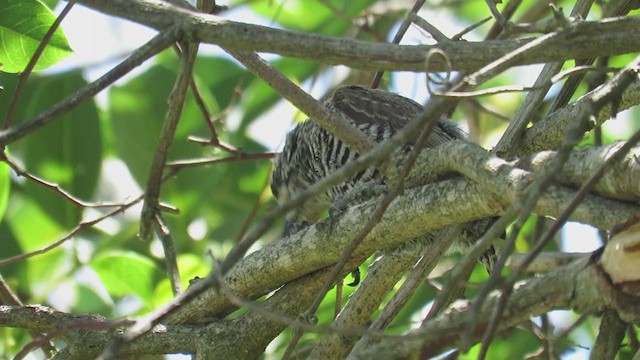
point(549, 132)
point(420, 210)
point(582, 40)
point(619, 182)
point(582, 285)
point(467, 159)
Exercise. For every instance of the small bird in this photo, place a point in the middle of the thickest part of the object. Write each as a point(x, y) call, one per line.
point(310, 153)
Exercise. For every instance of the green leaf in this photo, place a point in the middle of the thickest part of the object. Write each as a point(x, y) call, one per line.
point(67, 152)
point(23, 24)
point(125, 273)
point(51, 3)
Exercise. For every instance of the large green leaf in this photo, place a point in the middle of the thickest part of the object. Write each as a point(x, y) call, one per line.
point(51, 3)
point(23, 24)
point(127, 273)
point(67, 152)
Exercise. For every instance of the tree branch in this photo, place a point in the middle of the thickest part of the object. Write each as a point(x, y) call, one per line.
point(582, 40)
point(420, 210)
point(582, 285)
point(176, 101)
point(549, 132)
point(617, 183)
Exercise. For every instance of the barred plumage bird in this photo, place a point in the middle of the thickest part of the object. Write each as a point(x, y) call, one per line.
point(310, 153)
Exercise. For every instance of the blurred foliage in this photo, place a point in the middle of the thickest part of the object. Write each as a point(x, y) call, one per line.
point(107, 269)
point(5, 187)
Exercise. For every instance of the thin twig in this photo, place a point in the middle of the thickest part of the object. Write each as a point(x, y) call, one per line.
point(238, 156)
point(566, 332)
point(491, 4)
point(339, 14)
point(169, 250)
point(506, 61)
point(423, 24)
point(176, 103)
point(634, 345)
point(76, 230)
point(53, 186)
point(546, 338)
point(487, 108)
point(197, 95)
point(580, 70)
point(404, 26)
point(507, 12)
point(468, 29)
point(485, 92)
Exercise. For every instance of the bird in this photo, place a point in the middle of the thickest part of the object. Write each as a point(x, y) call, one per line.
point(310, 153)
